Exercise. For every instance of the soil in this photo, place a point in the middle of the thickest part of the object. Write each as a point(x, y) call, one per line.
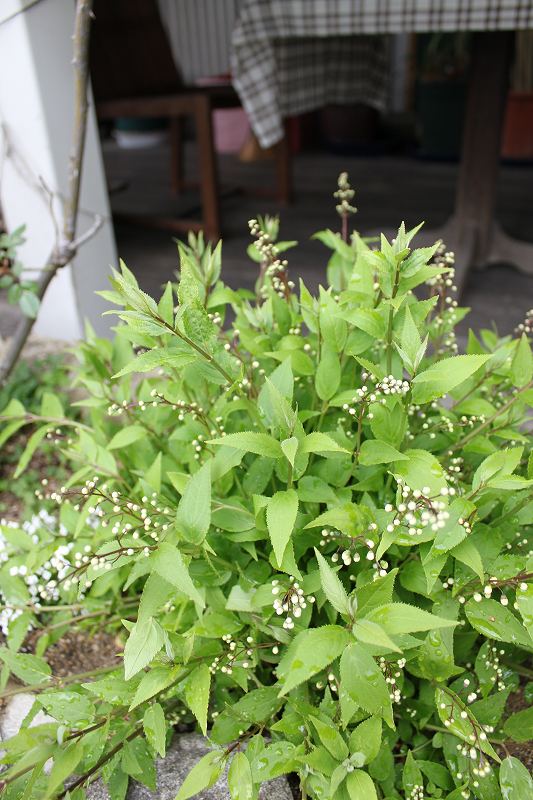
point(79, 652)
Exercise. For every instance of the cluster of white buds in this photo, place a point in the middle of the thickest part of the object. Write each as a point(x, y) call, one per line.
point(289, 600)
point(43, 583)
point(158, 399)
point(389, 385)
point(392, 671)
point(295, 331)
point(344, 196)
point(527, 325)
point(347, 550)
point(236, 654)
point(215, 318)
point(417, 792)
point(492, 662)
point(276, 269)
point(332, 683)
point(418, 510)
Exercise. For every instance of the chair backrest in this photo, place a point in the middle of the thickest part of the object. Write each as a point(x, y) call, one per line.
point(130, 52)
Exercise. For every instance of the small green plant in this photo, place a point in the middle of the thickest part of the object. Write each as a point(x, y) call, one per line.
point(311, 524)
point(29, 384)
point(19, 291)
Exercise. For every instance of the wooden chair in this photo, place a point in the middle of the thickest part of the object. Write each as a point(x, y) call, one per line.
point(134, 75)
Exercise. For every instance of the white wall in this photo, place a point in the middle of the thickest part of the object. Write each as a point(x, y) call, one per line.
point(36, 112)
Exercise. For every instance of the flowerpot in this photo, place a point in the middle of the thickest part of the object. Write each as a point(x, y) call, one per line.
point(440, 112)
point(518, 127)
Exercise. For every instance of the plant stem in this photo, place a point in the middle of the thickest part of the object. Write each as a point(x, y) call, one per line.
point(54, 682)
point(461, 443)
point(391, 318)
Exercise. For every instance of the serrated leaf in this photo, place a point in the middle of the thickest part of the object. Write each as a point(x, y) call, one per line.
point(443, 376)
point(363, 682)
point(168, 562)
point(127, 436)
point(203, 775)
point(145, 640)
point(375, 452)
point(318, 442)
point(193, 516)
point(197, 687)
point(155, 728)
point(515, 781)
point(281, 513)
point(522, 363)
point(360, 786)
point(259, 443)
point(459, 720)
point(240, 782)
point(310, 652)
point(496, 622)
point(332, 586)
point(396, 618)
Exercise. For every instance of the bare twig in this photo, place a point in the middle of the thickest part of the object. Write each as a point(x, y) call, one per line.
point(66, 249)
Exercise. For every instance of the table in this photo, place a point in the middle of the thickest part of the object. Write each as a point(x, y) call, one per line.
point(263, 24)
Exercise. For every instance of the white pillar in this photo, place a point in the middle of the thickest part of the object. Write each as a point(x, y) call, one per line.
point(36, 114)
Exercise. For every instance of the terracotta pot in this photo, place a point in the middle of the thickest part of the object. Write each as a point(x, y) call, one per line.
point(518, 127)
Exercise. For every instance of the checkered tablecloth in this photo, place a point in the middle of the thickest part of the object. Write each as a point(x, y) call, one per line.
point(291, 56)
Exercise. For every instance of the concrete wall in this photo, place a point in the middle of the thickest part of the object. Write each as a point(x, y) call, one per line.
point(36, 114)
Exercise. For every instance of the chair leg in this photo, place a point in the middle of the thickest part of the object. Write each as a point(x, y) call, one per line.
point(208, 167)
point(176, 154)
point(283, 172)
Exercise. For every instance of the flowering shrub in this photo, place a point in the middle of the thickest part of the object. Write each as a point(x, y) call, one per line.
point(311, 525)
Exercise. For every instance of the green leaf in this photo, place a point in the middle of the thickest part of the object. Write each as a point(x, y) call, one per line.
point(33, 443)
point(496, 622)
point(27, 668)
point(65, 762)
point(370, 633)
point(290, 448)
point(281, 514)
point(68, 707)
point(127, 436)
point(515, 781)
point(365, 741)
point(332, 586)
point(193, 516)
point(260, 443)
point(202, 776)
point(240, 778)
point(374, 451)
point(519, 726)
point(330, 738)
point(397, 618)
point(328, 373)
point(197, 687)
point(522, 363)
point(155, 728)
point(168, 563)
point(411, 776)
point(310, 652)
point(445, 375)
point(420, 470)
point(29, 304)
point(161, 357)
point(460, 720)
point(363, 682)
point(145, 640)
point(317, 442)
point(503, 462)
point(360, 786)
